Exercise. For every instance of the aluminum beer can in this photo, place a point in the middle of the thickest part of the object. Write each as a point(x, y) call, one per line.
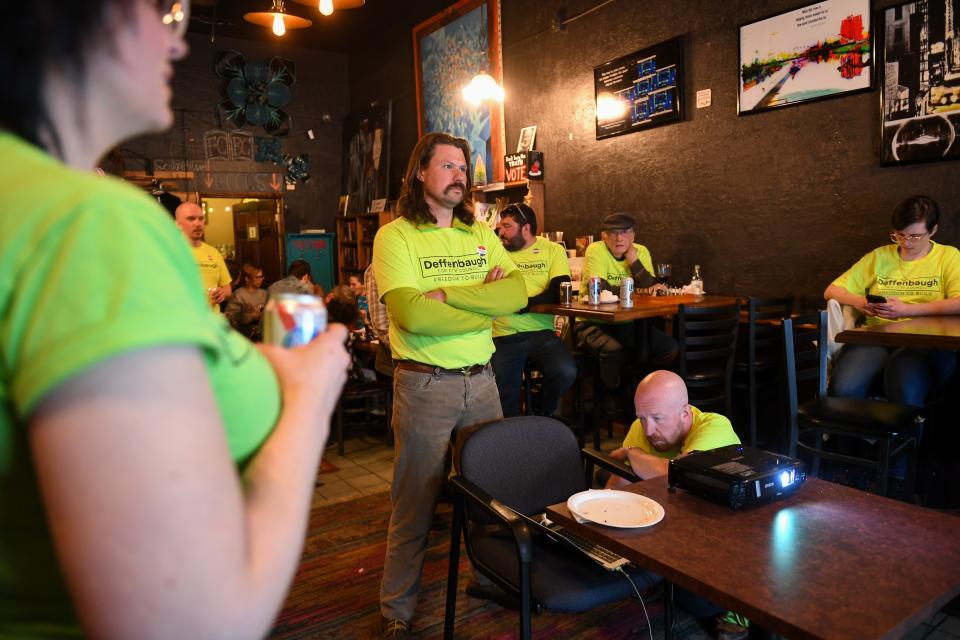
point(566, 293)
point(293, 319)
point(593, 290)
point(626, 293)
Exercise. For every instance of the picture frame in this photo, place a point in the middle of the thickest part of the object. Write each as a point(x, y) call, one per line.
point(342, 205)
point(527, 137)
point(919, 96)
point(366, 156)
point(641, 90)
point(817, 51)
point(448, 50)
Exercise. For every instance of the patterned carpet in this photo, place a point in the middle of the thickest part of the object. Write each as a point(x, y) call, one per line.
point(335, 591)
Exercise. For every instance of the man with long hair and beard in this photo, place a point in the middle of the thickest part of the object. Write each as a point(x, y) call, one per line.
point(444, 277)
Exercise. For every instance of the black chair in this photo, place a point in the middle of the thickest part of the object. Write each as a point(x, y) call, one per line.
point(357, 404)
point(707, 338)
point(758, 361)
point(525, 464)
point(892, 427)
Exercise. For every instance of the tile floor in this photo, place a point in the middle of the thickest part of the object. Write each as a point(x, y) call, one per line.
point(367, 468)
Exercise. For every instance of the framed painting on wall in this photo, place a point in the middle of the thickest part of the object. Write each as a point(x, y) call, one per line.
point(640, 90)
point(366, 157)
point(920, 90)
point(448, 50)
point(821, 50)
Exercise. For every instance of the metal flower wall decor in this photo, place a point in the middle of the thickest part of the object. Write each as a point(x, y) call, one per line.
point(256, 92)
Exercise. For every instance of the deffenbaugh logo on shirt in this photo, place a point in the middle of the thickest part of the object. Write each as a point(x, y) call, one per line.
point(432, 266)
point(481, 251)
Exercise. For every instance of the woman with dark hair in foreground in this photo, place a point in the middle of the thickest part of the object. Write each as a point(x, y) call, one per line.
point(156, 468)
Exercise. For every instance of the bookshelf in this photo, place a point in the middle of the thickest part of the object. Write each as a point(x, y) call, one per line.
point(355, 235)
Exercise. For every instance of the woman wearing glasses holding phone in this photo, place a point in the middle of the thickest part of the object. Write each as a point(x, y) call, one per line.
point(156, 468)
point(912, 276)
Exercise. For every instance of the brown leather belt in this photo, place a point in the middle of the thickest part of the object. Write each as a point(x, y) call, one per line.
point(411, 365)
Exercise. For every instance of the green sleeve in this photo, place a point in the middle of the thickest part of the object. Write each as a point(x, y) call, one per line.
point(644, 258)
point(951, 273)
point(559, 265)
point(140, 289)
point(414, 313)
point(497, 298)
point(858, 278)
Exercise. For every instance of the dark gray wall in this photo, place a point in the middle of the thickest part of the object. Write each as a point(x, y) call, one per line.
point(776, 202)
point(321, 87)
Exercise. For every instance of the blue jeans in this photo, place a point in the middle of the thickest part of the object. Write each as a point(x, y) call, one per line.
point(908, 374)
point(551, 357)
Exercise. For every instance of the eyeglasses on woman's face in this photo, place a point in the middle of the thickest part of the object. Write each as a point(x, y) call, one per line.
point(898, 237)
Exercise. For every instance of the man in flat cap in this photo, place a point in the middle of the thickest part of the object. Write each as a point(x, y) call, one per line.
point(614, 257)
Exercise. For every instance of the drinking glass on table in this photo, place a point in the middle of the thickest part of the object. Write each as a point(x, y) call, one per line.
point(663, 272)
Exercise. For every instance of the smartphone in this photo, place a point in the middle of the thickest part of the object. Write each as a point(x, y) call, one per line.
point(875, 299)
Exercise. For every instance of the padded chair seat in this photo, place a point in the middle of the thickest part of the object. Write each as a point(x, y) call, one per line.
point(563, 580)
point(868, 417)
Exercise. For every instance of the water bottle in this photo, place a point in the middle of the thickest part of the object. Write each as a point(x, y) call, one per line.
point(696, 282)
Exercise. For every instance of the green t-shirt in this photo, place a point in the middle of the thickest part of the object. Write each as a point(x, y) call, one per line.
point(91, 268)
point(427, 257)
point(935, 276)
point(598, 261)
point(708, 431)
point(213, 270)
point(540, 263)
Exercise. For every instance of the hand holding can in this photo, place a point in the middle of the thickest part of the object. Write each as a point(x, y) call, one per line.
point(293, 319)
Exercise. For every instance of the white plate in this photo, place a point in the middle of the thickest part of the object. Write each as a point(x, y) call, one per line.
point(615, 508)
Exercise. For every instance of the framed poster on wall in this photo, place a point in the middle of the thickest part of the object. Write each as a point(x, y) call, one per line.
point(448, 50)
point(821, 50)
point(640, 90)
point(920, 88)
point(366, 157)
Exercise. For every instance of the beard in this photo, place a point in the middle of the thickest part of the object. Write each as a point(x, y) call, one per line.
point(513, 244)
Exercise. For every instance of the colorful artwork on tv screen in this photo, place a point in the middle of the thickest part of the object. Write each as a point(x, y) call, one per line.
point(822, 50)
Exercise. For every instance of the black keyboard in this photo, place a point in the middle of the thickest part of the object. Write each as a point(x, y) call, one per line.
point(601, 555)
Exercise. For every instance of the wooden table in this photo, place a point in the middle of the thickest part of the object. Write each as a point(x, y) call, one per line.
point(828, 562)
point(931, 332)
point(643, 307)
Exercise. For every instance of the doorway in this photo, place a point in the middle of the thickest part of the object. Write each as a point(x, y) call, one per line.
point(246, 229)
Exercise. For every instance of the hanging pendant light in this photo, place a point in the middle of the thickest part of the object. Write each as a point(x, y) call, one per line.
point(327, 7)
point(277, 19)
point(482, 87)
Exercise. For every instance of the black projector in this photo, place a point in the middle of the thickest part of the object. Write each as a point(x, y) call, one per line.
point(736, 476)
